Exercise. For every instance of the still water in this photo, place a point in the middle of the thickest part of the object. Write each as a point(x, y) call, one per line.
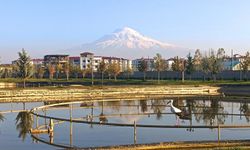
point(89, 129)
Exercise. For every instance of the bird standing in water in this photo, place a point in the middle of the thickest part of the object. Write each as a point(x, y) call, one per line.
point(175, 110)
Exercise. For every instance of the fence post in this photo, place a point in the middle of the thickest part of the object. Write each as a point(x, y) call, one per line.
point(219, 133)
point(134, 132)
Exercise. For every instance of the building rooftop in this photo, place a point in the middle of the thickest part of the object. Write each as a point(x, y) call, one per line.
point(74, 57)
point(86, 53)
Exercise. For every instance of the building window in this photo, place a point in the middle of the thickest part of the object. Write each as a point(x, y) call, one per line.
point(84, 66)
point(84, 61)
point(88, 60)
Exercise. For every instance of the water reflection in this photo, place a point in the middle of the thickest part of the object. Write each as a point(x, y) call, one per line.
point(24, 122)
point(144, 106)
point(1, 117)
point(244, 108)
point(149, 112)
point(158, 106)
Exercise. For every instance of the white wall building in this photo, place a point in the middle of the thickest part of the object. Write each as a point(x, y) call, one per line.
point(87, 58)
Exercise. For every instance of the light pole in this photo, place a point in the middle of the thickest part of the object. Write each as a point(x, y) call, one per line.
point(92, 71)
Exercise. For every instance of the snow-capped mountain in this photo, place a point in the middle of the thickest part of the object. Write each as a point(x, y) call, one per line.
point(129, 38)
point(128, 43)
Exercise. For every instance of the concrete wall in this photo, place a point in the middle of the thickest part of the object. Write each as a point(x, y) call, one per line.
point(224, 75)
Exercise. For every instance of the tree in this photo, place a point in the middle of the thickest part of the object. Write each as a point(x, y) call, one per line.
point(143, 67)
point(75, 70)
point(84, 72)
point(176, 64)
point(244, 64)
point(24, 122)
point(24, 66)
point(102, 68)
point(59, 68)
point(52, 70)
point(66, 69)
point(190, 65)
point(159, 65)
point(109, 70)
point(205, 66)
point(216, 62)
point(197, 60)
point(179, 65)
point(129, 71)
point(116, 69)
point(40, 71)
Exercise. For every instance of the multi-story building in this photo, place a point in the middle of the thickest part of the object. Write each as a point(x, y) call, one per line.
point(150, 62)
point(37, 62)
point(74, 61)
point(56, 59)
point(88, 59)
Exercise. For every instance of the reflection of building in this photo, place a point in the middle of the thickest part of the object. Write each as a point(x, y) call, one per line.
point(56, 59)
point(88, 59)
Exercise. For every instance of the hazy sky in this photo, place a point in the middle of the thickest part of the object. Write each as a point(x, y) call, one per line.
point(45, 26)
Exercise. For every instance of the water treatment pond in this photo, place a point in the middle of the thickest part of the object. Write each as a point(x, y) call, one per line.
point(106, 123)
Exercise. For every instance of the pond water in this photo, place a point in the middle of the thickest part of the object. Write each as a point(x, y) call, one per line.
point(109, 123)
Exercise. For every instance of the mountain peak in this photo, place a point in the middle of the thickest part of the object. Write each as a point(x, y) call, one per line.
point(127, 41)
point(125, 30)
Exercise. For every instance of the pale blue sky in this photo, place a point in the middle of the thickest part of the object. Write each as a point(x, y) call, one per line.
point(44, 26)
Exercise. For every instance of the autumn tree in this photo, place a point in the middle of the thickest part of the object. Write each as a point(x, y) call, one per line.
point(143, 67)
point(116, 69)
point(58, 68)
point(129, 71)
point(197, 60)
point(159, 65)
point(40, 71)
point(102, 68)
point(24, 66)
point(244, 64)
point(75, 70)
point(205, 66)
point(51, 70)
point(179, 65)
point(66, 69)
point(216, 62)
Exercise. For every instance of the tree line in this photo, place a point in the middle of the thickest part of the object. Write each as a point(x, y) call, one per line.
point(210, 63)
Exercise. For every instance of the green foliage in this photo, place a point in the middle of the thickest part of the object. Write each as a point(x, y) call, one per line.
point(176, 64)
point(143, 67)
point(244, 64)
point(24, 122)
point(102, 67)
point(159, 65)
point(24, 67)
point(190, 64)
point(197, 61)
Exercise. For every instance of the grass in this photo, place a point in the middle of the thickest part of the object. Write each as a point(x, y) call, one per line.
point(87, 81)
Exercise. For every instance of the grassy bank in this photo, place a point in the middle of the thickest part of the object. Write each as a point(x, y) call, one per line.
point(126, 92)
point(87, 81)
point(208, 145)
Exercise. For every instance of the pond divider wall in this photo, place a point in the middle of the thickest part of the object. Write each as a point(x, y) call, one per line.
point(107, 92)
